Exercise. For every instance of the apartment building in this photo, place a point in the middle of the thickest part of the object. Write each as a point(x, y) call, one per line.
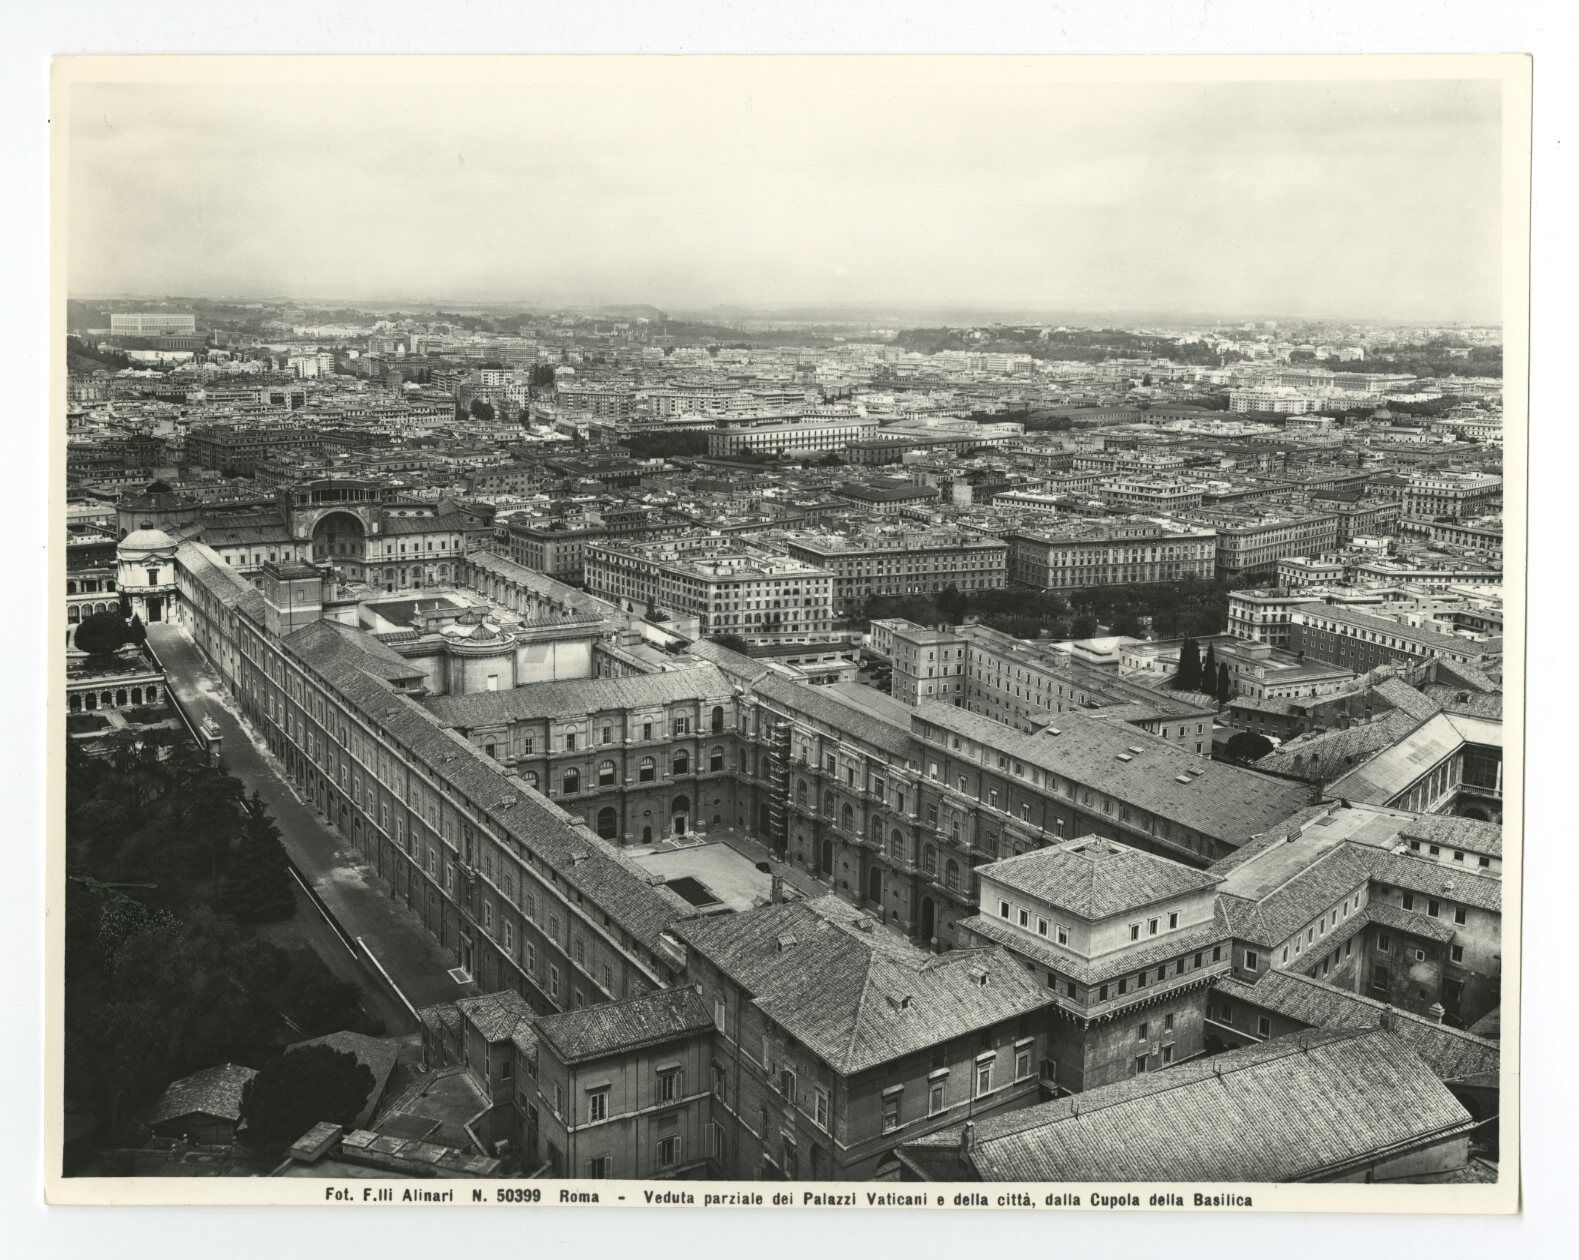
point(1080, 553)
point(729, 585)
point(901, 562)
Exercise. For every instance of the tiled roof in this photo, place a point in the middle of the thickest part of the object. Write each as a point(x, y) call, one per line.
point(1450, 883)
point(1096, 878)
point(858, 998)
point(836, 712)
point(447, 522)
point(203, 564)
point(615, 885)
point(1078, 968)
point(1299, 1108)
point(615, 1027)
point(1269, 916)
point(1394, 767)
point(1469, 834)
point(214, 1091)
point(1335, 751)
point(494, 1015)
point(1385, 914)
point(575, 697)
point(1220, 800)
point(1402, 696)
point(1449, 1052)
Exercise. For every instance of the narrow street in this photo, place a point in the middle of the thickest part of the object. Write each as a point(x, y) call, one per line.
point(367, 922)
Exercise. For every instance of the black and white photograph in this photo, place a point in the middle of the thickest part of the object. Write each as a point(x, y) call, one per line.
point(788, 631)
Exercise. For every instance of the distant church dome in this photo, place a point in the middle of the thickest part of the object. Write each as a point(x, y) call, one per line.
point(147, 538)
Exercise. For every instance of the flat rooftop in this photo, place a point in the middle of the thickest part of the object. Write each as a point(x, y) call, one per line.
point(732, 878)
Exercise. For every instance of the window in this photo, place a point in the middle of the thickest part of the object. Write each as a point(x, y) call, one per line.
point(1263, 1026)
point(1434, 909)
point(787, 1085)
point(1217, 953)
point(1460, 915)
point(669, 1086)
point(647, 769)
point(891, 1111)
point(1003, 909)
point(1151, 927)
point(984, 1077)
point(1134, 931)
point(1173, 920)
point(1063, 934)
point(1140, 1064)
point(1167, 1023)
point(669, 1151)
point(1383, 943)
point(1409, 901)
point(598, 1104)
point(720, 1015)
point(605, 773)
point(1167, 1055)
point(598, 1168)
point(1457, 953)
point(1140, 1031)
point(820, 1108)
point(1252, 960)
point(1025, 918)
point(935, 1098)
point(1041, 927)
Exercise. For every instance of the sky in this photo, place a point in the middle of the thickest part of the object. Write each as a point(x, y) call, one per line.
point(781, 184)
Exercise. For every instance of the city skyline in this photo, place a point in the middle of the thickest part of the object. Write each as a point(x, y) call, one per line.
point(1338, 200)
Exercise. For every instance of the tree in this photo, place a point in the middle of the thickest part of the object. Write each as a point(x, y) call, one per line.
point(1084, 626)
point(1188, 676)
point(1248, 746)
point(731, 641)
point(482, 409)
point(257, 887)
point(136, 632)
point(952, 604)
point(1225, 684)
point(299, 1088)
point(1209, 669)
point(102, 634)
point(327, 1006)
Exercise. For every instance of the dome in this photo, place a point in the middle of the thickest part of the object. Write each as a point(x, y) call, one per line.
point(147, 538)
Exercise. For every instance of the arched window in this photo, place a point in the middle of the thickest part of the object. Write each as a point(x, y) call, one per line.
point(827, 804)
point(896, 844)
point(680, 805)
point(605, 773)
point(647, 770)
point(849, 818)
point(72, 615)
point(929, 860)
point(718, 718)
point(531, 778)
point(71, 589)
point(951, 874)
point(874, 830)
point(608, 822)
point(682, 762)
point(570, 783)
point(800, 791)
point(715, 759)
point(137, 695)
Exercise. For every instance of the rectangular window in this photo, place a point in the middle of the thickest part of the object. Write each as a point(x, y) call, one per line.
point(598, 1105)
point(669, 1086)
point(935, 1099)
point(1434, 909)
point(984, 1078)
point(1383, 943)
point(720, 1015)
point(891, 1112)
point(1458, 953)
point(1003, 909)
point(1041, 927)
point(1063, 934)
point(669, 1151)
point(1252, 960)
point(1460, 915)
point(1167, 1055)
point(1409, 901)
point(1134, 931)
point(820, 1108)
point(1140, 1032)
point(1263, 1026)
point(1022, 1064)
point(598, 1168)
point(1151, 927)
point(1173, 920)
point(1140, 1064)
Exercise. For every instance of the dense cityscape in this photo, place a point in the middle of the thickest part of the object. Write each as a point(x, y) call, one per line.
point(789, 745)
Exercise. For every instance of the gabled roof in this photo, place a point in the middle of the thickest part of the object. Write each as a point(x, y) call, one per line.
point(214, 1091)
point(610, 1028)
point(1096, 878)
point(575, 697)
point(859, 997)
point(1449, 1052)
point(1307, 1107)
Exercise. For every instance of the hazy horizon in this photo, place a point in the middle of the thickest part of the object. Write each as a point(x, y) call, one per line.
point(1366, 201)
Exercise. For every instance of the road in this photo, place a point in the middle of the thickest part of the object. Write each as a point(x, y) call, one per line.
point(366, 921)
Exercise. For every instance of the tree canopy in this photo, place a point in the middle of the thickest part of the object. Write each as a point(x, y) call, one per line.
point(296, 1090)
point(103, 634)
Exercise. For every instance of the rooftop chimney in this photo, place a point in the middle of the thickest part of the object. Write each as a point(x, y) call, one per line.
point(1435, 1012)
point(967, 1137)
point(776, 890)
point(1387, 1019)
